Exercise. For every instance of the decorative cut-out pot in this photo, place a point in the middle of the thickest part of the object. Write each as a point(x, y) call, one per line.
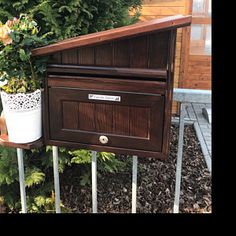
point(23, 113)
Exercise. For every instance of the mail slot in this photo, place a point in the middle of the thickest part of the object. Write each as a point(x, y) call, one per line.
point(112, 91)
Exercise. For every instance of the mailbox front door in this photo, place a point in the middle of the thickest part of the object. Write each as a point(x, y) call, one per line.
point(124, 119)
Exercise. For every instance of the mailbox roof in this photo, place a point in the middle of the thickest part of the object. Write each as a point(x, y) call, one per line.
point(140, 28)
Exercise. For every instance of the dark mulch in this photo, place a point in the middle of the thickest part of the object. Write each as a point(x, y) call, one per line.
point(156, 183)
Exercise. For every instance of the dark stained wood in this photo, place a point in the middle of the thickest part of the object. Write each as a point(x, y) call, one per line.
point(99, 148)
point(169, 92)
point(45, 110)
point(103, 122)
point(158, 46)
point(103, 118)
point(139, 52)
point(104, 55)
point(110, 84)
point(139, 121)
point(4, 141)
point(55, 58)
point(121, 120)
point(86, 116)
point(140, 28)
point(108, 71)
point(70, 119)
point(121, 55)
point(70, 57)
point(133, 63)
point(86, 56)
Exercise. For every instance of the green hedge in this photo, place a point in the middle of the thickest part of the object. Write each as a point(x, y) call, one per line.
point(63, 19)
point(70, 18)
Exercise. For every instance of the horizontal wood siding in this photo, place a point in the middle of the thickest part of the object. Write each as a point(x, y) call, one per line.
point(199, 72)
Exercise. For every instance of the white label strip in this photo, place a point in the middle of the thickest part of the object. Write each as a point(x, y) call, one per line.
point(104, 97)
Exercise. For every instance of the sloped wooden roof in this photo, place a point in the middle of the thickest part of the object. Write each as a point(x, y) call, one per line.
point(113, 34)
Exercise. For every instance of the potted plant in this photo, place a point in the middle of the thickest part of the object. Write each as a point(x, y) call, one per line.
point(21, 78)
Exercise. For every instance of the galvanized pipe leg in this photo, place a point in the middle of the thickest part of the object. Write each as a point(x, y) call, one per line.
point(179, 158)
point(21, 179)
point(94, 182)
point(56, 179)
point(134, 183)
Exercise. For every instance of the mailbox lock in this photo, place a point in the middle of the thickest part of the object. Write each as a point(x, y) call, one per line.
point(103, 139)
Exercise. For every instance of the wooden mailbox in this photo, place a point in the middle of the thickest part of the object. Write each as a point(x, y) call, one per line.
point(112, 90)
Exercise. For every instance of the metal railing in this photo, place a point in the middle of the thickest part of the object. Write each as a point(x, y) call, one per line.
point(183, 96)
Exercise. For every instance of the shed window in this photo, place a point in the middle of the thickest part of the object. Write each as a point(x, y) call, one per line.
point(200, 40)
point(202, 8)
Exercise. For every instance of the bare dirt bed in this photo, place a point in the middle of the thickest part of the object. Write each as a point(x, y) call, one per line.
point(156, 183)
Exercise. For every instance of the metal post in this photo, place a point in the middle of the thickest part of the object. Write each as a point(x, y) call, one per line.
point(21, 179)
point(134, 184)
point(179, 158)
point(56, 179)
point(94, 181)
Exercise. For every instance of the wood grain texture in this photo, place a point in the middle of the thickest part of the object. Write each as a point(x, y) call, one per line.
point(104, 55)
point(69, 57)
point(86, 56)
point(60, 70)
point(101, 84)
point(104, 118)
point(169, 92)
point(108, 118)
point(121, 56)
point(70, 119)
point(158, 46)
point(86, 116)
point(136, 64)
point(118, 33)
point(165, 3)
point(161, 10)
point(138, 116)
point(121, 117)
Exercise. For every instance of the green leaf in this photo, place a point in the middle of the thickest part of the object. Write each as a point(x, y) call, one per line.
point(33, 177)
point(23, 55)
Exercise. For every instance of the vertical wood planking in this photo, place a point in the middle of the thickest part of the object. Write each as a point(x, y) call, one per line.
point(103, 118)
point(157, 121)
point(121, 57)
point(86, 56)
point(169, 92)
point(70, 115)
point(139, 121)
point(86, 116)
point(139, 52)
point(55, 58)
point(104, 55)
point(70, 57)
point(158, 49)
point(121, 120)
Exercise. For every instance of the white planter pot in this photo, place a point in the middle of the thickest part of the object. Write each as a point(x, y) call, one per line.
point(23, 113)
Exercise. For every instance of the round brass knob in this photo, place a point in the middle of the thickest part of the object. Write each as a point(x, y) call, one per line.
point(103, 139)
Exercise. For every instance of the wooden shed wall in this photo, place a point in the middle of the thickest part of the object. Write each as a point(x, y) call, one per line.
point(152, 9)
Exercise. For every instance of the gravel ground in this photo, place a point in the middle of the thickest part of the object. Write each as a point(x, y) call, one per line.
point(156, 183)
